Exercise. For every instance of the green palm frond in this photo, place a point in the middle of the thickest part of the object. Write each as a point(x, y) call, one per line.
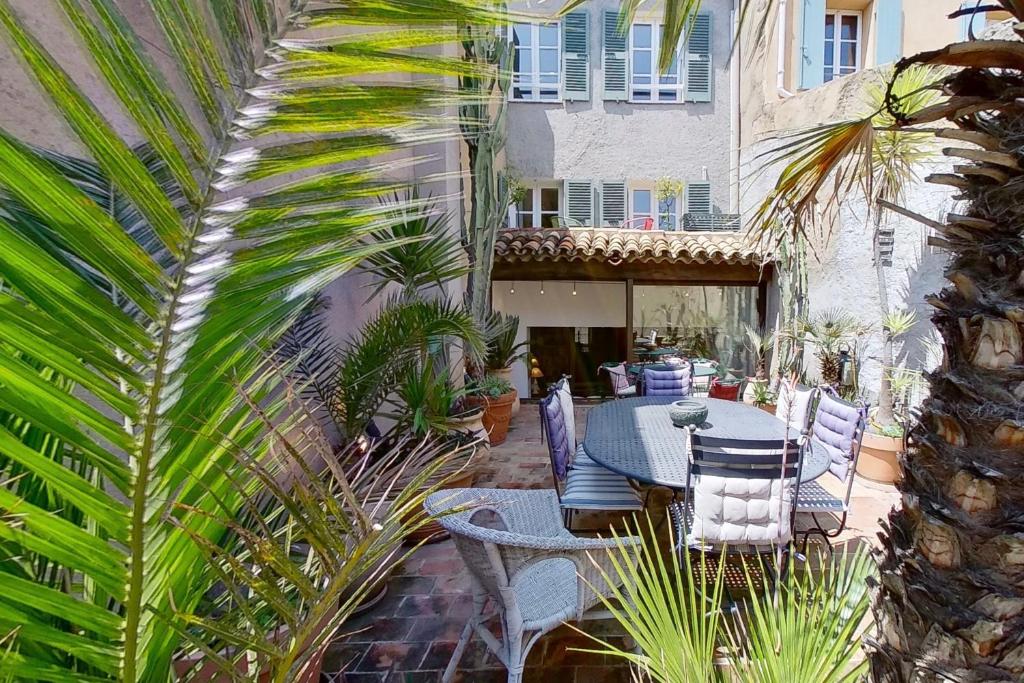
point(156, 281)
point(806, 629)
point(422, 251)
point(502, 330)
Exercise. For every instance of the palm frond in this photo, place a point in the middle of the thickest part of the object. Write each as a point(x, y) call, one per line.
point(155, 304)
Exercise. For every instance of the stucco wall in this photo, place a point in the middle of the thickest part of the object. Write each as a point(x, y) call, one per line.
point(599, 140)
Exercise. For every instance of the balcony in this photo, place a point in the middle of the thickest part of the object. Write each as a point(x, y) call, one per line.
point(691, 222)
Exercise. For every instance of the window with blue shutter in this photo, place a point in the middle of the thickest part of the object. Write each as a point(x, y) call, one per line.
point(613, 203)
point(698, 60)
point(576, 55)
point(812, 43)
point(579, 203)
point(971, 23)
point(613, 57)
point(888, 31)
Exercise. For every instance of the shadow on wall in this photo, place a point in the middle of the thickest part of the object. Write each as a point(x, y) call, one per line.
point(530, 148)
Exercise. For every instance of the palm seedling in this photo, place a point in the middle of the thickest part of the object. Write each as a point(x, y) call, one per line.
point(502, 348)
point(759, 342)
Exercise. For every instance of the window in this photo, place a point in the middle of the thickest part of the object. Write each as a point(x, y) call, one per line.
point(645, 84)
point(641, 206)
point(842, 43)
point(536, 62)
point(668, 216)
point(538, 208)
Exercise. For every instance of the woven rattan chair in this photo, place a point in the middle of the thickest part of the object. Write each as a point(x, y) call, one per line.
point(838, 429)
point(537, 574)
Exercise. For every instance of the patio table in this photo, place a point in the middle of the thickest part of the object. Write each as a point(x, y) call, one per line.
point(636, 438)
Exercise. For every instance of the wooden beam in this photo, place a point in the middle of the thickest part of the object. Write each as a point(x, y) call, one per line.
point(629, 320)
point(641, 273)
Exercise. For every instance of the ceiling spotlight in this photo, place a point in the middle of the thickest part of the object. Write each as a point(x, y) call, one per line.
point(574, 289)
point(541, 286)
point(512, 289)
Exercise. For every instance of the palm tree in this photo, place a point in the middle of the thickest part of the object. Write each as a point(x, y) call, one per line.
point(950, 595)
point(141, 294)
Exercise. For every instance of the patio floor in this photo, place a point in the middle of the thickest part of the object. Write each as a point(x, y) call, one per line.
point(408, 636)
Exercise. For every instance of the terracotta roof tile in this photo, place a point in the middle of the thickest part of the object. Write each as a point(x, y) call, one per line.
point(616, 246)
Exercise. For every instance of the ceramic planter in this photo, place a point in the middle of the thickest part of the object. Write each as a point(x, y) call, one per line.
point(879, 458)
point(472, 423)
point(506, 374)
point(497, 414)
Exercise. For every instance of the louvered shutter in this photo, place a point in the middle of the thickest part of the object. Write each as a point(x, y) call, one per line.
point(888, 31)
point(614, 57)
point(576, 55)
point(579, 202)
point(812, 44)
point(613, 203)
point(698, 60)
point(698, 197)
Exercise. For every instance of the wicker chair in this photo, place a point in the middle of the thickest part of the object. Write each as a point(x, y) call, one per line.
point(838, 429)
point(519, 555)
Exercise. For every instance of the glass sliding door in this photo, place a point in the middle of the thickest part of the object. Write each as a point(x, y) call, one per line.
point(702, 321)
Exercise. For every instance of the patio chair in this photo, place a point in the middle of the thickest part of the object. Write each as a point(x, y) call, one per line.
point(725, 390)
point(740, 496)
point(537, 574)
point(793, 406)
point(838, 428)
point(702, 384)
point(619, 378)
point(674, 382)
point(580, 483)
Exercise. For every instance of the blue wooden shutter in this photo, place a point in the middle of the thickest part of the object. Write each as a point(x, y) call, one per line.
point(888, 31)
point(971, 23)
point(614, 57)
point(613, 203)
point(576, 55)
point(698, 60)
point(579, 202)
point(698, 197)
point(812, 44)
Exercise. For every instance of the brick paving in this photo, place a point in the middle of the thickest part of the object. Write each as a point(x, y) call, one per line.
point(408, 636)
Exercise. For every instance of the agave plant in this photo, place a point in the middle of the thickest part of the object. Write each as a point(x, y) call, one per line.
point(129, 324)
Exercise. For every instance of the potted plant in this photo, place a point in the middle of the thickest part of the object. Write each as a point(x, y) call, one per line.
point(516, 195)
point(883, 439)
point(758, 341)
point(503, 350)
point(495, 395)
point(764, 398)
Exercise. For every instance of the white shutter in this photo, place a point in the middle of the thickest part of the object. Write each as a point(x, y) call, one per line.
point(579, 202)
point(698, 60)
point(576, 56)
point(613, 203)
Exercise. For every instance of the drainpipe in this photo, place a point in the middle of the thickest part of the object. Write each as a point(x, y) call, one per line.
point(780, 51)
point(734, 112)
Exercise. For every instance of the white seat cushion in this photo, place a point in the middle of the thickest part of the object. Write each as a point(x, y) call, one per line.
point(626, 391)
point(591, 489)
point(739, 510)
point(565, 397)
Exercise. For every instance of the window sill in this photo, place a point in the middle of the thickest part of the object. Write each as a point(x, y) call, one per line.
point(558, 101)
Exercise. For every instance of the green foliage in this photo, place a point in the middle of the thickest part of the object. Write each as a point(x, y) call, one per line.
point(898, 323)
point(502, 348)
point(426, 398)
point(138, 296)
point(804, 629)
point(762, 395)
point(668, 188)
point(489, 386)
point(421, 250)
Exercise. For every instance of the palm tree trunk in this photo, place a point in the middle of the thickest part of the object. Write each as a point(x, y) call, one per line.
point(950, 604)
point(884, 414)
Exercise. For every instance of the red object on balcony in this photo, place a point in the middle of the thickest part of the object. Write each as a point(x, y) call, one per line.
point(726, 392)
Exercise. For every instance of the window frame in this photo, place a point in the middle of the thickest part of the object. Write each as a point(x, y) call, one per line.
point(657, 31)
point(536, 213)
point(837, 43)
point(675, 215)
point(534, 72)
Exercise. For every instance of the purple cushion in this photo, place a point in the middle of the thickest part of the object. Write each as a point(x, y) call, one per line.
point(675, 382)
point(836, 423)
point(552, 421)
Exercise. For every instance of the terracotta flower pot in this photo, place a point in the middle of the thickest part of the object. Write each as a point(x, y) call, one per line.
point(506, 374)
point(497, 414)
point(768, 407)
point(472, 423)
point(879, 458)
